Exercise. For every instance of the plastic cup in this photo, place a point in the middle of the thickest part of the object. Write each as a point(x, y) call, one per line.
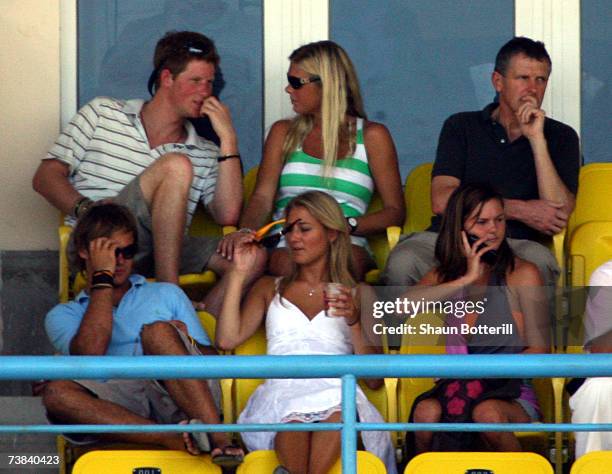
point(331, 293)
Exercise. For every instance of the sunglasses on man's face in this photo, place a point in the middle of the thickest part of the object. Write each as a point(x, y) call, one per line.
point(298, 82)
point(128, 252)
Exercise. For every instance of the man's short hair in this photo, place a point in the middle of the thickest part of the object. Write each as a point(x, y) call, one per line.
point(101, 220)
point(177, 48)
point(520, 45)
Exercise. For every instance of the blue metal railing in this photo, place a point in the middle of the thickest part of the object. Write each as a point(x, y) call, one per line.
point(346, 367)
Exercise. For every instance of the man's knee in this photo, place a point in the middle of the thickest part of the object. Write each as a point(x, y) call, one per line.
point(409, 261)
point(174, 166)
point(177, 162)
point(56, 393)
point(153, 334)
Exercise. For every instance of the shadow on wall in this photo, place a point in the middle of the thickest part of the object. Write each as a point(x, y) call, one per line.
point(28, 290)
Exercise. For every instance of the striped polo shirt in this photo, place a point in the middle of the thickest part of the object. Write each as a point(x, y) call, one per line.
point(350, 181)
point(105, 146)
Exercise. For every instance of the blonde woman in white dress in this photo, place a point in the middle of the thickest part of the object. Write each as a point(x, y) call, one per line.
point(293, 310)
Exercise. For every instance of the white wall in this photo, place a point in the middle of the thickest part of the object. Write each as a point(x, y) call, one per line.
point(29, 74)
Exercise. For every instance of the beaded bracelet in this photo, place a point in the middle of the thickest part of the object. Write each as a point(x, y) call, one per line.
point(102, 279)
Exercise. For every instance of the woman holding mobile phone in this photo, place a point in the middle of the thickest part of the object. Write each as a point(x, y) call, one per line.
point(476, 264)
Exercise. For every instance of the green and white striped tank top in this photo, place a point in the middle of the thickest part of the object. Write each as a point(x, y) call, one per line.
point(350, 181)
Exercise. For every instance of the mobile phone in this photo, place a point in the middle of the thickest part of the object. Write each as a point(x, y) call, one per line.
point(489, 257)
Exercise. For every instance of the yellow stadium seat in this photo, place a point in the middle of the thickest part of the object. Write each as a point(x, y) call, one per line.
point(410, 388)
point(209, 323)
point(590, 245)
point(417, 196)
point(464, 463)
point(592, 200)
point(381, 243)
point(595, 462)
point(594, 196)
point(144, 462)
point(264, 462)
point(248, 183)
point(242, 389)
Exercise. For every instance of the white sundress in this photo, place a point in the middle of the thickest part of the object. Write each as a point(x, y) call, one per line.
point(290, 332)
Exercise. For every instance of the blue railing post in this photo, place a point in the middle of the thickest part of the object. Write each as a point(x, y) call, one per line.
point(349, 427)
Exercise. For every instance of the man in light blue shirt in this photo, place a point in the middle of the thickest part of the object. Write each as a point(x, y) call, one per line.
point(122, 314)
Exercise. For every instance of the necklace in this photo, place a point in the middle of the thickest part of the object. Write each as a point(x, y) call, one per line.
point(312, 291)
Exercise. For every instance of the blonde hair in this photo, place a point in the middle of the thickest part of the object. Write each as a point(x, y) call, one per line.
point(326, 210)
point(340, 96)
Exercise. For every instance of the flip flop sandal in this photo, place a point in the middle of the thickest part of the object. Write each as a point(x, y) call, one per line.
point(226, 460)
point(200, 438)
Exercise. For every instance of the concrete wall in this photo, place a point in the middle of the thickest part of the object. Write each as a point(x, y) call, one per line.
point(30, 68)
point(29, 73)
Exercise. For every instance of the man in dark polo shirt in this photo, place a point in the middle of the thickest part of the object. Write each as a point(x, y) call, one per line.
point(533, 161)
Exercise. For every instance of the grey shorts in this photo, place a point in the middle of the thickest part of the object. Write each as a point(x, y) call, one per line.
point(195, 252)
point(146, 398)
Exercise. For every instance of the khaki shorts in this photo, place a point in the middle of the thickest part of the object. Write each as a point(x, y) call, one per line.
point(195, 252)
point(146, 398)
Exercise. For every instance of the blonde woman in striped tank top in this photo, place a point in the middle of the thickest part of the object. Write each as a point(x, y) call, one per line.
point(328, 146)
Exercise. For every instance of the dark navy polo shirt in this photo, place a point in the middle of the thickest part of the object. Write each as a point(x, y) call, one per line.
point(475, 149)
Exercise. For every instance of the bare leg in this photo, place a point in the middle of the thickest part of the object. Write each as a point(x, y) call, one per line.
point(427, 411)
point(213, 300)
point(165, 186)
point(500, 411)
point(192, 396)
point(280, 262)
point(293, 450)
point(324, 448)
point(70, 403)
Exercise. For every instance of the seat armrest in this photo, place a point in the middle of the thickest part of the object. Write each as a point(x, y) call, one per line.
point(393, 235)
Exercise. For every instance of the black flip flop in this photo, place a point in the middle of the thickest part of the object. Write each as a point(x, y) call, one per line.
point(226, 460)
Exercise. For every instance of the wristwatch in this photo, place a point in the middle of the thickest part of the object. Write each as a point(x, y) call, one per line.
point(352, 223)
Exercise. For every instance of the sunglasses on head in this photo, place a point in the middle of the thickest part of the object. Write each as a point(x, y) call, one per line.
point(297, 82)
point(191, 48)
point(128, 251)
point(272, 241)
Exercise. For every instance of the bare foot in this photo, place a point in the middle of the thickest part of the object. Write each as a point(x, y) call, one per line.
point(195, 442)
